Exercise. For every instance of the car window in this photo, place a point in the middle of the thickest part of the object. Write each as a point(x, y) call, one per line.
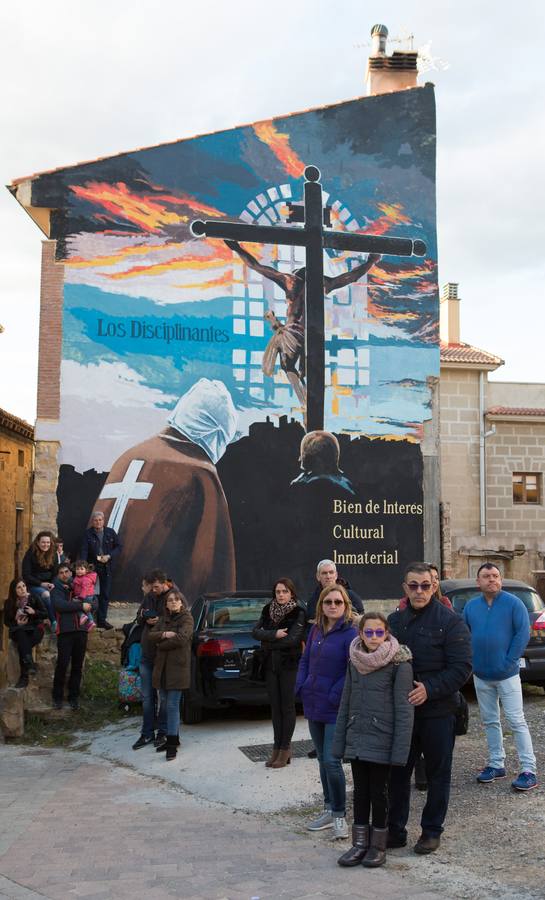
point(532, 601)
point(232, 613)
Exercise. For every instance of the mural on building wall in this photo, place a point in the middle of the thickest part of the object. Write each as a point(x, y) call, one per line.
point(183, 376)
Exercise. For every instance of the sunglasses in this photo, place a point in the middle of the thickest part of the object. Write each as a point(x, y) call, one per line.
point(333, 603)
point(425, 586)
point(371, 632)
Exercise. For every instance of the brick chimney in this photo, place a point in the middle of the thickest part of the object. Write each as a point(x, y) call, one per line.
point(389, 73)
point(449, 314)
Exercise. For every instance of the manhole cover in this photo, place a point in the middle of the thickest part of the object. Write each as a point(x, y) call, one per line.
point(261, 752)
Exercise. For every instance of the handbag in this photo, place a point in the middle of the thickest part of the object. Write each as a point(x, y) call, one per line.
point(129, 686)
point(462, 715)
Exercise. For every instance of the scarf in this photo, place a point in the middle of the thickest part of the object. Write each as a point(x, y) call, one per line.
point(277, 611)
point(366, 662)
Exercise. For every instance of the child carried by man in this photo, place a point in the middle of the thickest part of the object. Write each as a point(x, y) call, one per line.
point(84, 587)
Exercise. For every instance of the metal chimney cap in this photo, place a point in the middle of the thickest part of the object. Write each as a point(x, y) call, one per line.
point(379, 29)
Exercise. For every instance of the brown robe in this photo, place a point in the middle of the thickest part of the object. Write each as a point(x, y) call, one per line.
point(183, 528)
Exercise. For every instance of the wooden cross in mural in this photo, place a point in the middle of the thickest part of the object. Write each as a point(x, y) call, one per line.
point(314, 238)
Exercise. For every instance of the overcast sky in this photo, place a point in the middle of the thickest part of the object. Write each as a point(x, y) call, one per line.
point(82, 80)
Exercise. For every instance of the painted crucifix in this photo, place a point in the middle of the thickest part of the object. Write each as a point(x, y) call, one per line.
point(301, 340)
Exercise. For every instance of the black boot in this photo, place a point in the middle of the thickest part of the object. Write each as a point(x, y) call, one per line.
point(376, 855)
point(360, 843)
point(172, 746)
point(23, 680)
point(29, 665)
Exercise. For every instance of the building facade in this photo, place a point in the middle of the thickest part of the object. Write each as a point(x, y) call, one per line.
point(16, 468)
point(492, 461)
point(141, 314)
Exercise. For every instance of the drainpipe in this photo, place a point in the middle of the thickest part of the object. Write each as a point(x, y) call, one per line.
point(483, 435)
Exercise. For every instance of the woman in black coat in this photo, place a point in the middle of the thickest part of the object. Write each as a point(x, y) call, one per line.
point(24, 616)
point(281, 629)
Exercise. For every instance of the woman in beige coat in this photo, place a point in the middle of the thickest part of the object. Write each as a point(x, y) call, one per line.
point(172, 637)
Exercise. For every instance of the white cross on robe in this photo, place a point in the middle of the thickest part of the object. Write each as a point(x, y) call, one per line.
point(123, 491)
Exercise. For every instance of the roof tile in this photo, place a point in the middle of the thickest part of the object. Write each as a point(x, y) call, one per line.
point(465, 353)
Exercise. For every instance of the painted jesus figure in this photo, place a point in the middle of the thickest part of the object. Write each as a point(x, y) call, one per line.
point(288, 340)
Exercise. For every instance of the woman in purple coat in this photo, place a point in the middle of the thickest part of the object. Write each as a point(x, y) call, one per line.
point(320, 682)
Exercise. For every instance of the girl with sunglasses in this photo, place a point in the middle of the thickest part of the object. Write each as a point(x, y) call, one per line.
point(320, 682)
point(373, 731)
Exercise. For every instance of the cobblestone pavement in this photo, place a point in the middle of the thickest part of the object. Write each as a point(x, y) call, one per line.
point(72, 826)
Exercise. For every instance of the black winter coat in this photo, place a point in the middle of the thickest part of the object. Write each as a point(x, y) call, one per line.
point(34, 573)
point(375, 719)
point(68, 611)
point(10, 612)
point(440, 643)
point(281, 653)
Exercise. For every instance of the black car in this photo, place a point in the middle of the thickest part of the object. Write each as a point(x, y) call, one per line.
point(224, 665)
point(532, 664)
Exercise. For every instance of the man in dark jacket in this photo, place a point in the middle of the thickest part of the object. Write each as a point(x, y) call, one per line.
point(71, 638)
point(441, 647)
point(326, 575)
point(100, 547)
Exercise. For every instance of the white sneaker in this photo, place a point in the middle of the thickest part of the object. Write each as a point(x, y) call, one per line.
point(340, 828)
point(323, 821)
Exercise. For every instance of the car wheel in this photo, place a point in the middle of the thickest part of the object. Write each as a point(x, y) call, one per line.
point(191, 713)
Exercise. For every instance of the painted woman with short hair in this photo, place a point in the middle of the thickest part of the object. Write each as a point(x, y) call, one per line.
point(281, 628)
point(320, 682)
point(373, 731)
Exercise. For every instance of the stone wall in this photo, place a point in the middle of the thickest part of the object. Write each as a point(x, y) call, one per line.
point(45, 507)
point(459, 431)
point(515, 533)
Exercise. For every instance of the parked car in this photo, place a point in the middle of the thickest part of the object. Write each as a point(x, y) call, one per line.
point(224, 665)
point(532, 664)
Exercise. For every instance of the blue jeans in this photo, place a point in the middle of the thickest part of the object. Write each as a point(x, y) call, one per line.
point(509, 691)
point(170, 700)
point(434, 739)
point(44, 595)
point(148, 702)
point(331, 769)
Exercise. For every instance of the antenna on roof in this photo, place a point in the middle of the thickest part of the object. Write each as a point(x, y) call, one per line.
point(426, 61)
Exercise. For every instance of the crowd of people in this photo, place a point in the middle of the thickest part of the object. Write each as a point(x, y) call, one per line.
point(69, 600)
point(382, 694)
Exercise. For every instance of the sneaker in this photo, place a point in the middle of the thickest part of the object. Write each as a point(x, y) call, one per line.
point(160, 739)
point(74, 704)
point(143, 742)
point(323, 821)
point(489, 774)
point(57, 704)
point(340, 828)
point(524, 782)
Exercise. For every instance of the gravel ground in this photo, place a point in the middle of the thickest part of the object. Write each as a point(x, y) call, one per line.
point(493, 845)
